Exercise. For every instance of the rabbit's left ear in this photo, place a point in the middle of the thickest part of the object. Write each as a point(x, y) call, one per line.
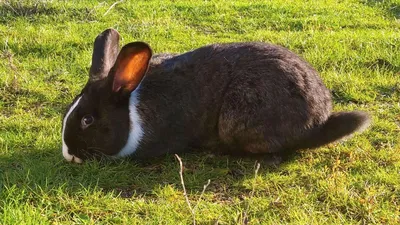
point(105, 51)
point(131, 66)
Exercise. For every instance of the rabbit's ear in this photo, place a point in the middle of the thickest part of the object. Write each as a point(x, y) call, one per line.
point(131, 66)
point(105, 51)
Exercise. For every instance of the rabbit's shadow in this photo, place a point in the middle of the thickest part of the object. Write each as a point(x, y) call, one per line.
point(47, 172)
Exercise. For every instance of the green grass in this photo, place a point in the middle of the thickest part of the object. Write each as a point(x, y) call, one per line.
point(45, 51)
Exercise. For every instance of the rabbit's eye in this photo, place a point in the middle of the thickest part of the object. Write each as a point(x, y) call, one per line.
point(87, 121)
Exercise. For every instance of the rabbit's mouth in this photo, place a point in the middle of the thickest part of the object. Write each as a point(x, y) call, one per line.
point(76, 159)
point(69, 157)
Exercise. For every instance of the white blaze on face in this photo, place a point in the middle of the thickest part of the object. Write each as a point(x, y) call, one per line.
point(66, 155)
point(136, 129)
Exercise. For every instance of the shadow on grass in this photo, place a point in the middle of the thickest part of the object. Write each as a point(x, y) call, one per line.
point(44, 50)
point(381, 93)
point(34, 101)
point(391, 8)
point(45, 171)
point(21, 9)
point(10, 10)
point(382, 64)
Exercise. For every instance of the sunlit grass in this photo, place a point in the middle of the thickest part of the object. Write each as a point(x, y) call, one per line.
point(45, 50)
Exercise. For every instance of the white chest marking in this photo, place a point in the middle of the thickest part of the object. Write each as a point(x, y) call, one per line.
point(66, 155)
point(136, 129)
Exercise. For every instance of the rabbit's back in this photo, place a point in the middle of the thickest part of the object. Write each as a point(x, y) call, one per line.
point(216, 91)
point(274, 96)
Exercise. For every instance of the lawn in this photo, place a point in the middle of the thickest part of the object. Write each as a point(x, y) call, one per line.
point(45, 53)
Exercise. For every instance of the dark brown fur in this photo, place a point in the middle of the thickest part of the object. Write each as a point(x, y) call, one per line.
point(251, 97)
point(241, 97)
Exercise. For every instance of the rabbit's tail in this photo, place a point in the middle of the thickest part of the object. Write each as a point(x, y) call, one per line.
point(339, 125)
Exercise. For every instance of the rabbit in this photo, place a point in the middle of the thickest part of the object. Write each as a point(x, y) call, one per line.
point(252, 98)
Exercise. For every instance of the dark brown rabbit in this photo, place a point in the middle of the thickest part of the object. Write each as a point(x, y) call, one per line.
point(250, 98)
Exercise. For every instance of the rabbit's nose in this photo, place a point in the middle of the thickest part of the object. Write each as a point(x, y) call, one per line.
point(77, 160)
point(69, 157)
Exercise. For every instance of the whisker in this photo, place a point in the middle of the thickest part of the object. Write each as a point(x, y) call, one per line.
point(98, 152)
point(86, 153)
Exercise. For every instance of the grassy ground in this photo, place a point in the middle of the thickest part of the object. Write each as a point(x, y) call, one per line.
point(45, 50)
